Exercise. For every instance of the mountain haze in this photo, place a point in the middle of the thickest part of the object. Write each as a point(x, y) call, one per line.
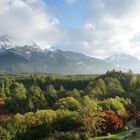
point(124, 62)
point(18, 55)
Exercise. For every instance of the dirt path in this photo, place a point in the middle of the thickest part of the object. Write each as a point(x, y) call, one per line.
point(5, 114)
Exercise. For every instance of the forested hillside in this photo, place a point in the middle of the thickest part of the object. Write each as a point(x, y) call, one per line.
point(68, 107)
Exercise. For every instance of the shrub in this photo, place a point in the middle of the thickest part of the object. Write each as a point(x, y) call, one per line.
point(125, 128)
point(112, 122)
point(68, 103)
point(65, 120)
point(4, 134)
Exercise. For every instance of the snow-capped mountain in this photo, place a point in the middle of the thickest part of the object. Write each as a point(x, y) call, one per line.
point(121, 57)
point(18, 45)
point(124, 62)
point(9, 42)
point(19, 55)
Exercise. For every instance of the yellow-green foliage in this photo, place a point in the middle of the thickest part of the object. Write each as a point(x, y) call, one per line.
point(68, 103)
point(39, 124)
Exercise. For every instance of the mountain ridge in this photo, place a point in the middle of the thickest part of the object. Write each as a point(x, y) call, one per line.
point(124, 62)
point(31, 58)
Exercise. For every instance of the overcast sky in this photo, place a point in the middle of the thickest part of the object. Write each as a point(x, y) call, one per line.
point(93, 27)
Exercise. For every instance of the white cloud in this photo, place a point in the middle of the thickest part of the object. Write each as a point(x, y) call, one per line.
point(117, 22)
point(110, 26)
point(55, 21)
point(29, 19)
point(90, 26)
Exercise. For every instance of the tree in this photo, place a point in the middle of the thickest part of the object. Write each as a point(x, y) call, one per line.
point(114, 85)
point(127, 103)
point(114, 105)
point(30, 105)
point(101, 87)
point(39, 124)
point(51, 95)
point(2, 90)
point(65, 120)
point(112, 122)
point(17, 99)
point(4, 134)
point(18, 91)
point(69, 103)
point(91, 116)
point(133, 83)
point(130, 72)
point(36, 98)
point(75, 93)
point(89, 103)
point(61, 92)
point(7, 87)
point(97, 88)
point(91, 120)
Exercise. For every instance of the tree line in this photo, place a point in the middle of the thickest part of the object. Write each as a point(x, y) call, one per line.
point(55, 107)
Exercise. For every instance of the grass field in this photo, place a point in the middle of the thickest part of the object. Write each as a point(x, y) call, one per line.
point(137, 137)
point(111, 137)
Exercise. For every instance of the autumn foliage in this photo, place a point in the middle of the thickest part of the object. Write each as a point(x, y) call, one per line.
point(112, 122)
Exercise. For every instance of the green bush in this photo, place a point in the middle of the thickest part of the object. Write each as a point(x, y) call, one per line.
point(42, 123)
point(4, 134)
point(65, 120)
point(69, 103)
point(125, 128)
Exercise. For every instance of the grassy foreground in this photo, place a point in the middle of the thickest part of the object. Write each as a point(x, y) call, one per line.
point(132, 137)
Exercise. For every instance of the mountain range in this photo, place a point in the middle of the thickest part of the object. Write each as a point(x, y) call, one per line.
point(18, 55)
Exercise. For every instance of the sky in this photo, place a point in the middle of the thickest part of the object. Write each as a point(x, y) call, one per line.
point(97, 28)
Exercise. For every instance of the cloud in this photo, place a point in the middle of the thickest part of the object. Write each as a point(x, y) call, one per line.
point(30, 19)
point(110, 26)
point(55, 21)
point(90, 26)
point(71, 1)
